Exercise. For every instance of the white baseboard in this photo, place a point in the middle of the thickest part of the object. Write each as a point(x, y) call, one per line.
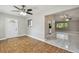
point(43, 40)
point(13, 37)
point(35, 37)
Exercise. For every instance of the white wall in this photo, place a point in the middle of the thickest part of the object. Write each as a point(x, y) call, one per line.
point(21, 24)
point(2, 25)
point(38, 29)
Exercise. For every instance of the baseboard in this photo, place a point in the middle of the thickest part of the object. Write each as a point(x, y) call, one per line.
point(35, 37)
point(43, 40)
point(13, 37)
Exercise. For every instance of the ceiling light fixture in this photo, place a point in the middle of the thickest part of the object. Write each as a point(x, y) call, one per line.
point(66, 17)
point(23, 13)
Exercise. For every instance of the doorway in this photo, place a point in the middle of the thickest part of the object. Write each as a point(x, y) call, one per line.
point(11, 28)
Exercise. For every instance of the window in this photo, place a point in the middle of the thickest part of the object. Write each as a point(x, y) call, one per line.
point(61, 25)
point(30, 23)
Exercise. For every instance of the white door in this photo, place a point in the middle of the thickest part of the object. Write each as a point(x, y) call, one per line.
point(11, 28)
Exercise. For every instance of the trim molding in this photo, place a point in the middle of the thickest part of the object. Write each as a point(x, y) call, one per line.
point(12, 37)
point(35, 37)
point(43, 40)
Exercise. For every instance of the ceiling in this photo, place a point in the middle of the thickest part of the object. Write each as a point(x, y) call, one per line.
point(36, 8)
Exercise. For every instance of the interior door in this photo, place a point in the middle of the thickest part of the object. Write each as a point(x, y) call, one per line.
point(11, 28)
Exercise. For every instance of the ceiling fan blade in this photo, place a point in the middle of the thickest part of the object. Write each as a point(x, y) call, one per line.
point(29, 13)
point(22, 9)
point(17, 7)
point(29, 9)
point(15, 11)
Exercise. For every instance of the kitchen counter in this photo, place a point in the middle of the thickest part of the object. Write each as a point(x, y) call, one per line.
point(70, 44)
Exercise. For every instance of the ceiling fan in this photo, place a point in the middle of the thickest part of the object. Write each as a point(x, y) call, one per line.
point(22, 10)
